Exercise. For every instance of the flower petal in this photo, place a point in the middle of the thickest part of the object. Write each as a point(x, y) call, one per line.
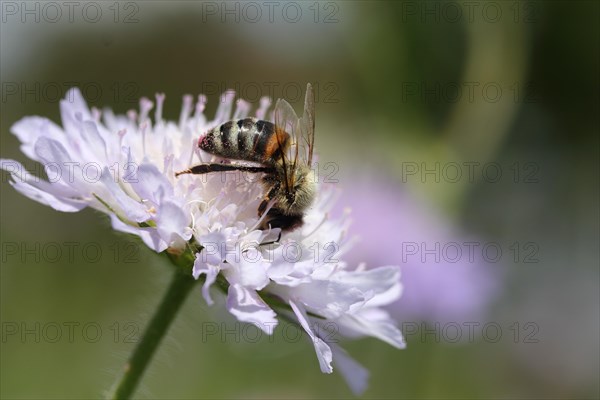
point(212, 248)
point(93, 142)
point(65, 171)
point(148, 182)
point(73, 109)
point(381, 285)
point(148, 235)
point(327, 298)
point(373, 322)
point(248, 269)
point(322, 349)
point(355, 375)
point(247, 306)
point(173, 224)
point(30, 129)
point(20, 173)
point(133, 210)
point(39, 190)
point(211, 271)
point(46, 198)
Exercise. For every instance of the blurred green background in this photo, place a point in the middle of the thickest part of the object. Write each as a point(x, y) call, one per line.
point(393, 81)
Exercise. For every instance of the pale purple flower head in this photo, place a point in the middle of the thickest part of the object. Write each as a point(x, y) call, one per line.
point(124, 166)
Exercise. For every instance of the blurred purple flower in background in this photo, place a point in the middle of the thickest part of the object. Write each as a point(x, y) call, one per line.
point(446, 275)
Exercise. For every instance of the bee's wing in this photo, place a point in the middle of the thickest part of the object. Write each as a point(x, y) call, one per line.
point(302, 134)
point(286, 120)
point(307, 124)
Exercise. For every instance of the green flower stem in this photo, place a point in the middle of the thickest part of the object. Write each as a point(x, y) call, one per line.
point(180, 287)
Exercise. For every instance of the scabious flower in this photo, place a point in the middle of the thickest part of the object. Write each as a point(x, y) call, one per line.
point(124, 166)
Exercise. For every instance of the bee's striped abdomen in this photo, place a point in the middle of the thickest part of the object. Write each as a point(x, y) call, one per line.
point(248, 139)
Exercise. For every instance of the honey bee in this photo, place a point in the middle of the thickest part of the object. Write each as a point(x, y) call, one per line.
point(284, 150)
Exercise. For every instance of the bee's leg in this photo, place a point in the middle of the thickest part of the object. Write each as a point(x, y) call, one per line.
point(276, 219)
point(273, 241)
point(261, 210)
point(266, 223)
point(263, 204)
point(207, 168)
point(285, 222)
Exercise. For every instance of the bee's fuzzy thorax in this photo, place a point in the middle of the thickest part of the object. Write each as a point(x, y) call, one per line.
point(302, 190)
